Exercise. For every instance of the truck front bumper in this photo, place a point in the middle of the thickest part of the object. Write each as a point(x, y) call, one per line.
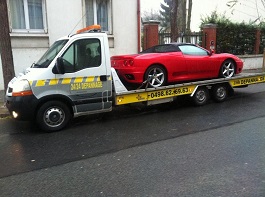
point(22, 107)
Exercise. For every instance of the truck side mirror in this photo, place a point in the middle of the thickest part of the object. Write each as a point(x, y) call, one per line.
point(59, 66)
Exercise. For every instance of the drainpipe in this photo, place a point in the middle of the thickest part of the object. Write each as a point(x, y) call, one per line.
point(139, 24)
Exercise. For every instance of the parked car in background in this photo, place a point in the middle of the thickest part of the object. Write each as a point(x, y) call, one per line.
point(175, 62)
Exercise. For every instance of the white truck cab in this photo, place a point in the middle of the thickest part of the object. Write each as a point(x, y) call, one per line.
point(72, 78)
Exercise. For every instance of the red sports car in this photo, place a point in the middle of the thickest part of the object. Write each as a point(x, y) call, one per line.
point(175, 62)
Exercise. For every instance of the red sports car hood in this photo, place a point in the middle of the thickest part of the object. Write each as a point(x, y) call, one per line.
point(225, 55)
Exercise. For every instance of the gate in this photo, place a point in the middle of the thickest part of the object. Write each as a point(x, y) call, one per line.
point(193, 37)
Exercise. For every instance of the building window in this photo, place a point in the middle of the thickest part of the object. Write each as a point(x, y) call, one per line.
point(99, 12)
point(28, 16)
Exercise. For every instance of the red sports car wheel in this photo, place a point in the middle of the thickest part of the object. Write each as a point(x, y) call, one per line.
point(156, 75)
point(228, 69)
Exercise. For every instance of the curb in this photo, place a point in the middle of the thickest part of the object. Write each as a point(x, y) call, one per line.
point(3, 111)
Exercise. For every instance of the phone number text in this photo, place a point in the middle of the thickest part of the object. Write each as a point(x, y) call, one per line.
point(168, 93)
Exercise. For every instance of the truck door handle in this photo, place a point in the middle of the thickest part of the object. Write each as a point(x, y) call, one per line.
point(103, 78)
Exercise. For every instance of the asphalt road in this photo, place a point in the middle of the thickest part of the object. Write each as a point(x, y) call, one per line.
point(173, 149)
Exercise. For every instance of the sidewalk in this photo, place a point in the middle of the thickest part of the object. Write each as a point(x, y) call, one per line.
point(3, 110)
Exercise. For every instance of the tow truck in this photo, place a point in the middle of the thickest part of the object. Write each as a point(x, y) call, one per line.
point(74, 78)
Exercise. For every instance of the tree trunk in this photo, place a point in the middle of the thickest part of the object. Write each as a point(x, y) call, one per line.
point(184, 16)
point(173, 21)
point(189, 15)
point(188, 31)
point(5, 45)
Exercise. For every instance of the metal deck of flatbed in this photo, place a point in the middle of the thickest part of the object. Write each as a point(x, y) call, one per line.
point(169, 91)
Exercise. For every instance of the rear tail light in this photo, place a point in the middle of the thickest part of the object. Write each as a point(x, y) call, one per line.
point(128, 63)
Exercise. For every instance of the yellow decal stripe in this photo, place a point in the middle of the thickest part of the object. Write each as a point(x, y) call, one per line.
point(154, 95)
point(247, 81)
point(40, 83)
point(79, 80)
point(66, 81)
point(54, 81)
point(90, 79)
point(49, 82)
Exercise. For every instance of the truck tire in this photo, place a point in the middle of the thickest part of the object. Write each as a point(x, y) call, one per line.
point(201, 96)
point(219, 93)
point(53, 116)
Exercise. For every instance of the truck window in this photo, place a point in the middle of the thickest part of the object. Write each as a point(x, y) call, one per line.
point(82, 54)
point(50, 54)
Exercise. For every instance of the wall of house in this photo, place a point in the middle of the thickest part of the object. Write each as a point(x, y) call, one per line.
point(66, 17)
point(124, 27)
point(62, 17)
point(26, 50)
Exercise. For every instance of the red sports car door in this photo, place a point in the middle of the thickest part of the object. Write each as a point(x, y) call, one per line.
point(176, 66)
point(198, 62)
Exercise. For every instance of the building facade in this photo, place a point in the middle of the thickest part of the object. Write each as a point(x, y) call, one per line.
point(36, 24)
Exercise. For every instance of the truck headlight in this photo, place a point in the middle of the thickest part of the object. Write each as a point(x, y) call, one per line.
point(21, 88)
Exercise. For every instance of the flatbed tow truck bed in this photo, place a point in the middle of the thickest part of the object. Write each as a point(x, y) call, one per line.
point(167, 93)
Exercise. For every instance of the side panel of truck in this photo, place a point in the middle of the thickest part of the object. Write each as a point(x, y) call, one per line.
point(86, 81)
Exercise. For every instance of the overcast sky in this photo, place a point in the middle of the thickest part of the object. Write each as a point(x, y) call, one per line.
point(245, 11)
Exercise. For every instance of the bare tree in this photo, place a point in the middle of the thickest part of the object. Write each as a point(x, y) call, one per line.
point(174, 16)
point(183, 16)
point(5, 45)
point(188, 30)
point(150, 15)
point(232, 3)
point(173, 21)
point(189, 15)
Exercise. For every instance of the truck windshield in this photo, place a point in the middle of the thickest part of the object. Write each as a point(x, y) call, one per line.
point(47, 58)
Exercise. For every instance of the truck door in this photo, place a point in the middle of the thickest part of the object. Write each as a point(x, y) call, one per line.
point(85, 80)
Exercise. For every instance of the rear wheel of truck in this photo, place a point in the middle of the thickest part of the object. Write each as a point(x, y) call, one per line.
point(53, 116)
point(219, 93)
point(201, 96)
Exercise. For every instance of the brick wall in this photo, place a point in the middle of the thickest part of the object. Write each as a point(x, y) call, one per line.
point(151, 37)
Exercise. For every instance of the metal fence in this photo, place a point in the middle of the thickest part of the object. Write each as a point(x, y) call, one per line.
point(194, 38)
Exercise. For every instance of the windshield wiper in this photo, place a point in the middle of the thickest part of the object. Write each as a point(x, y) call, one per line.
point(43, 65)
point(34, 65)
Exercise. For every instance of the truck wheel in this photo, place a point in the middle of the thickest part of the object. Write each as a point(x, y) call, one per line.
point(157, 76)
point(228, 69)
point(53, 116)
point(219, 93)
point(201, 96)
